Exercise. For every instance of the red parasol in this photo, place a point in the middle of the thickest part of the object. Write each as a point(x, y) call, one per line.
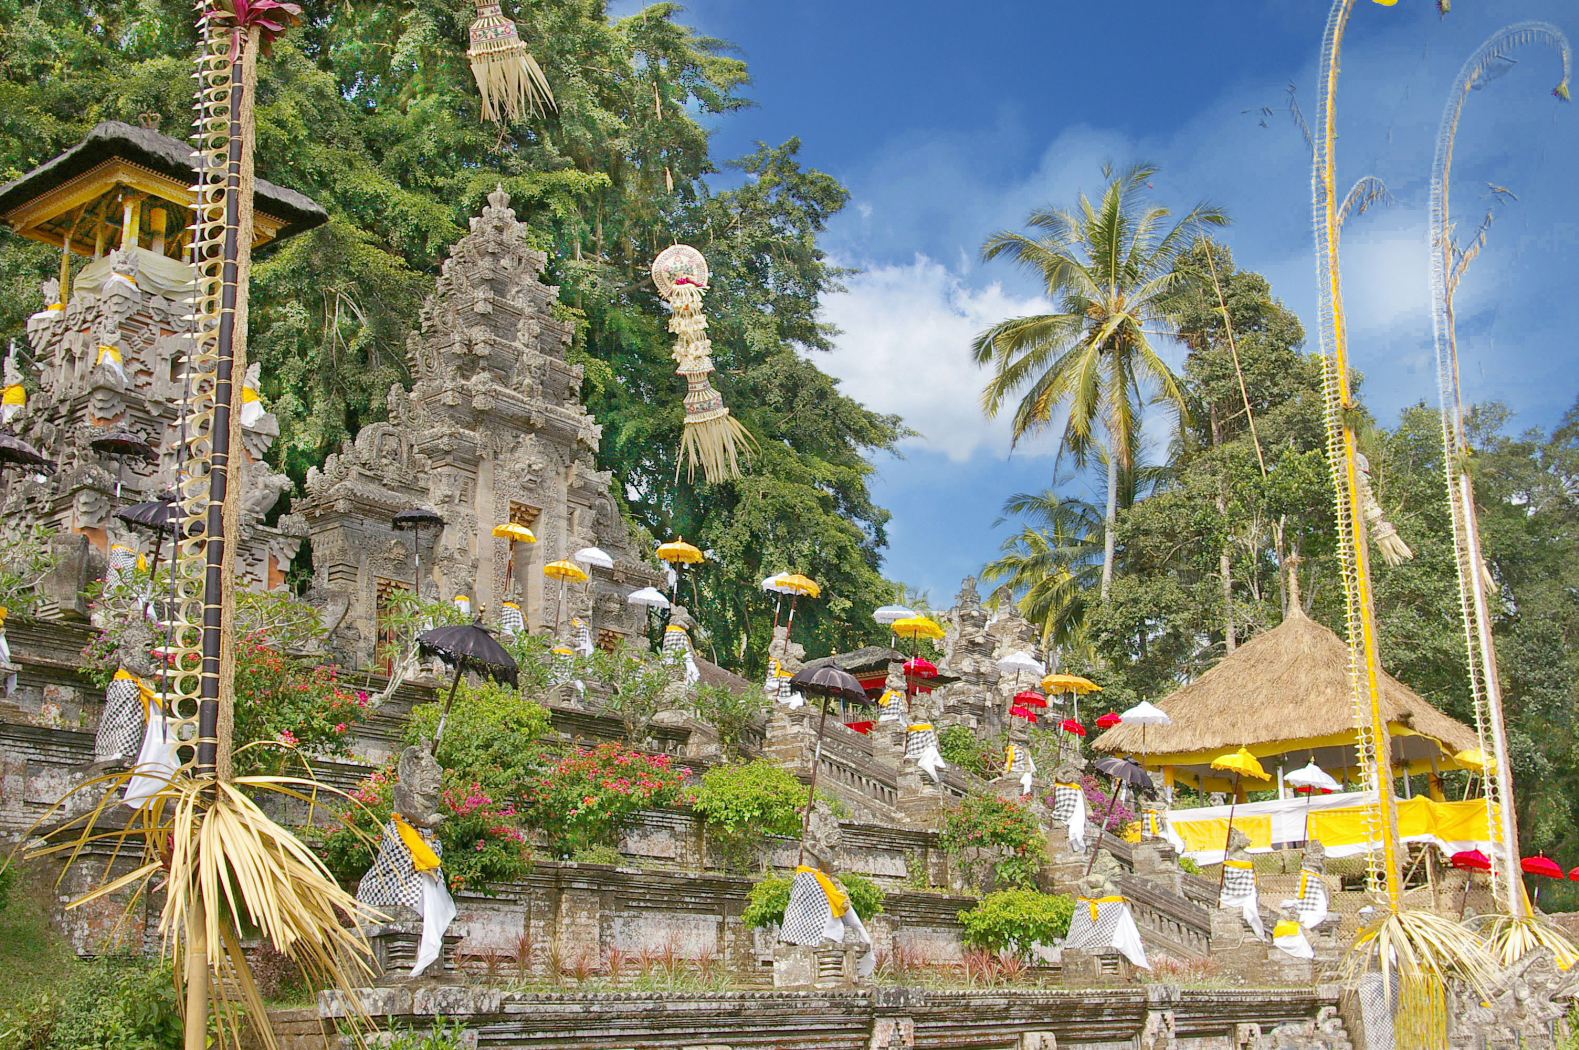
point(1030, 698)
point(1022, 712)
point(920, 667)
point(1471, 860)
point(1308, 789)
point(1573, 874)
point(860, 727)
point(1109, 720)
point(1539, 865)
point(1071, 726)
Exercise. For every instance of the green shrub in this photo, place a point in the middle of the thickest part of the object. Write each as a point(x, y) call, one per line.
point(7, 881)
point(590, 794)
point(444, 1035)
point(770, 896)
point(1015, 920)
point(960, 747)
point(988, 835)
point(743, 804)
point(111, 1004)
point(599, 855)
point(1189, 866)
point(494, 735)
point(730, 713)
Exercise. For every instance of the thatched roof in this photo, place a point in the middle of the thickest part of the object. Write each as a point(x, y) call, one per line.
point(712, 674)
point(1286, 690)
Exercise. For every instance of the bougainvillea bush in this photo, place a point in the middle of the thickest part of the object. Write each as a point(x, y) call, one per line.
point(590, 794)
point(485, 840)
point(284, 705)
point(1098, 792)
point(990, 836)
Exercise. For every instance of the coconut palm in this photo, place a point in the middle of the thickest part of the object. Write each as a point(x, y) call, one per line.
point(1052, 563)
point(1109, 267)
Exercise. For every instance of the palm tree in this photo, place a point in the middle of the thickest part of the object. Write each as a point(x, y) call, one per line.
point(1109, 267)
point(1050, 565)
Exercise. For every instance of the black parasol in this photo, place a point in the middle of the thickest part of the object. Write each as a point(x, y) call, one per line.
point(125, 444)
point(1125, 772)
point(466, 647)
point(159, 515)
point(14, 452)
point(415, 520)
point(834, 683)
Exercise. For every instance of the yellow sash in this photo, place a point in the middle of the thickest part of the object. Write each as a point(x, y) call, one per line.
point(422, 856)
point(838, 900)
point(1092, 902)
point(1304, 880)
point(4, 612)
point(1285, 928)
point(1241, 865)
point(675, 627)
point(1071, 787)
point(920, 727)
point(109, 352)
point(144, 690)
point(15, 394)
point(249, 395)
point(1008, 759)
point(888, 697)
point(512, 605)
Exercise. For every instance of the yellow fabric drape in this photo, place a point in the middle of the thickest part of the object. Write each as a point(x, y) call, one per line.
point(1285, 928)
point(248, 395)
point(1239, 865)
point(838, 900)
point(1202, 836)
point(15, 394)
point(144, 690)
point(1072, 787)
point(1093, 902)
point(1008, 757)
point(110, 353)
point(1463, 821)
point(422, 856)
point(920, 727)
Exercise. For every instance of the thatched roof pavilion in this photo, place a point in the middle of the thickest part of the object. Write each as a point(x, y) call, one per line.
point(1284, 695)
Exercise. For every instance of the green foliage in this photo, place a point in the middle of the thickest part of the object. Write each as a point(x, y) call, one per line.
point(590, 794)
point(599, 855)
point(495, 736)
point(484, 841)
point(770, 896)
point(1017, 920)
point(731, 714)
point(635, 680)
point(7, 882)
point(960, 747)
point(110, 1004)
point(990, 836)
point(443, 1035)
point(1189, 866)
point(283, 706)
point(743, 804)
point(25, 559)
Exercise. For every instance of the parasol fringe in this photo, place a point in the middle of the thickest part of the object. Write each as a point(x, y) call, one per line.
point(510, 81)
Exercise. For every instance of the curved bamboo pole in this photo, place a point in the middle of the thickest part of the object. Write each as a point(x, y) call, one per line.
point(1373, 743)
point(1449, 263)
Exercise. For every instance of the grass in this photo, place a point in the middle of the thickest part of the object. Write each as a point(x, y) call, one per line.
point(33, 956)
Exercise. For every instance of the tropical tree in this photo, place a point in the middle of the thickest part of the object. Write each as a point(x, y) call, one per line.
point(1052, 564)
point(1109, 268)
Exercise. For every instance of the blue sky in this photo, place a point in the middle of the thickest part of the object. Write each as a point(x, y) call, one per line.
point(949, 121)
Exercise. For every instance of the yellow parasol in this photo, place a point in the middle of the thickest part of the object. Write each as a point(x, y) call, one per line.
point(562, 571)
point(798, 586)
point(917, 627)
point(1475, 760)
point(1240, 763)
point(679, 551)
point(1070, 683)
point(515, 533)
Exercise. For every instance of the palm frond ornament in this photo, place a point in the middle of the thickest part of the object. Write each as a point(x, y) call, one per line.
point(1516, 933)
point(713, 439)
point(1416, 952)
point(201, 835)
point(509, 79)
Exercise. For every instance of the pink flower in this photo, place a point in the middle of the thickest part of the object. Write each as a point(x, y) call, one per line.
point(340, 728)
point(288, 738)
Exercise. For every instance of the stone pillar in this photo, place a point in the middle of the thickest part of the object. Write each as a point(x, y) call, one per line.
point(919, 801)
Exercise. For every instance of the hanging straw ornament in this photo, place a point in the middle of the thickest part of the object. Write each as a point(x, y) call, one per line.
point(713, 438)
point(509, 79)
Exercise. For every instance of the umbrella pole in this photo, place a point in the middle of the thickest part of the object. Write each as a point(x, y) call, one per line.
point(509, 566)
point(1308, 793)
point(811, 790)
point(778, 607)
point(416, 561)
point(1111, 802)
point(1222, 869)
point(789, 625)
point(438, 734)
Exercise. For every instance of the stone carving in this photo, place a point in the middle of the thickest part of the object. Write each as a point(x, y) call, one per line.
point(1522, 1008)
point(824, 836)
point(419, 796)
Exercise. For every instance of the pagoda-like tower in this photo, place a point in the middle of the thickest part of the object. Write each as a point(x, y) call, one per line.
point(493, 431)
point(110, 339)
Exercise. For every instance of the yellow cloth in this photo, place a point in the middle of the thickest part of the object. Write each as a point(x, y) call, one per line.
point(248, 395)
point(838, 900)
point(888, 697)
point(920, 727)
point(146, 691)
point(4, 612)
point(1242, 865)
point(15, 394)
point(675, 627)
point(1285, 928)
point(110, 353)
point(1008, 757)
point(512, 605)
point(1206, 835)
point(1092, 902)
point(422, 856)
point(1074, 787)
point(1463, 821)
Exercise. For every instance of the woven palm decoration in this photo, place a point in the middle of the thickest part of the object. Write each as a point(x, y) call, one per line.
point(509, 79)
point(713, 439)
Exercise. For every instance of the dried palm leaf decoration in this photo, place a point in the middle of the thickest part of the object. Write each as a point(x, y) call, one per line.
point(508, 77)
point(713, 438)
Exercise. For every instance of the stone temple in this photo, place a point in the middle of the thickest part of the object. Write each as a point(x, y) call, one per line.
point(493, 432)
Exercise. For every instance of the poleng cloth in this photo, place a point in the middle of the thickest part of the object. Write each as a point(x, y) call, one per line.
point(128, 702)
point(1288, 936)
point(1105, 922)
point(511, 622)
point(1310, 903)
point(1239, 891)
point(1154, 824)
point(1069, 810)
point(921, 747)
point(1019, 760)
point(401, 877)
point(157, 759)
point(820, 911)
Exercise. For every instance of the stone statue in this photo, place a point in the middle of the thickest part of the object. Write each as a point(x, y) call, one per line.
point(1102, 922)
point(407, 871)
point(1239, 882)
point(129, 697)
point(824, 836)
point(13, 395)
point(1069, 801)
point(1522, 1007)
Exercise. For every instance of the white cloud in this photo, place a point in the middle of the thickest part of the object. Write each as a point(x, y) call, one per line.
point(904, 348)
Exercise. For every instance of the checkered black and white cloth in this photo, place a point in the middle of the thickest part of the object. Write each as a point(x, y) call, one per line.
point(1018, 759)
point(394, 881)
point(120, 732)
point(1069, 810)
point(7, 678)
point(1311, 904)
point(580, 636)
point(809, 921)
point(511, 620)
point(675, 641)
point(122, 561)
point(921, 747)
point(1239, 891)
point(1106, 922)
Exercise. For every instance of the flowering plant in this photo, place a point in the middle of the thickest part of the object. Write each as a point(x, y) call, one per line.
point(586, 797)
point(484, 840)
point(990, 835)
point(279, 700)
